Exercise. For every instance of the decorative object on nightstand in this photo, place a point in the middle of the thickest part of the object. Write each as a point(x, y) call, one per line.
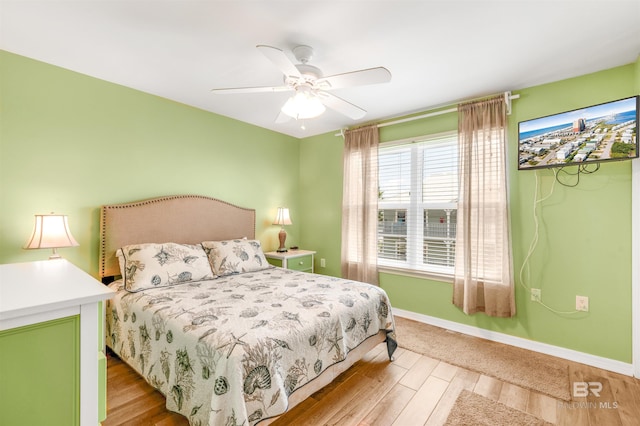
point(51, 231)
point(282, 219)
point(297, 260)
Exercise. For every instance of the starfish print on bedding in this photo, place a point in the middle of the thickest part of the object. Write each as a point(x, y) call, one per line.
point(235, 341)
point(334, 342)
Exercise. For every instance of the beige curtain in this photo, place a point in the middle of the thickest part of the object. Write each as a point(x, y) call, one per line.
point(360, 205)
point(483, 278)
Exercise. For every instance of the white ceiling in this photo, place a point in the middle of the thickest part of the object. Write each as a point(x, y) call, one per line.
point(438, 52)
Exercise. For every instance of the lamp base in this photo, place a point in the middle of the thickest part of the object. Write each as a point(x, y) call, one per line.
point(282, 236)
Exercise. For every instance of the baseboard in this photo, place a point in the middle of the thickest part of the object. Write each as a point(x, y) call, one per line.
point(544, 348)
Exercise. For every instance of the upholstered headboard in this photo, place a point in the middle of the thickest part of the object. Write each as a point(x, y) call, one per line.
point(184, 219)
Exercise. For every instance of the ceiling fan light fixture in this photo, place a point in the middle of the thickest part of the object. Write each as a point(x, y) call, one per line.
point(303, 105)
point(311, 88)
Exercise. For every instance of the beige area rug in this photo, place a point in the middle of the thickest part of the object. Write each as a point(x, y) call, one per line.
point(531, 370)
point(475, 410)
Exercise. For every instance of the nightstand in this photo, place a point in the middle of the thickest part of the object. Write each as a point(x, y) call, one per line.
point(298, 260)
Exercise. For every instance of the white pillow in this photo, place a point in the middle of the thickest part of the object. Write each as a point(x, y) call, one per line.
point(145, 266)
point(235, 256)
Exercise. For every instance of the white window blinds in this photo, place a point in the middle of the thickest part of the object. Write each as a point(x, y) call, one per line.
point(418, 195)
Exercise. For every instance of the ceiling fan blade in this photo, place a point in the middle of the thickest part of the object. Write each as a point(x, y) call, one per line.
point(280, 60)
point(343, 107)
point(355, 78)
point(269, 89)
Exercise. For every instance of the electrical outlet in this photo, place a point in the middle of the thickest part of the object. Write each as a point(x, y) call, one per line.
point(536, 294)
point(582, 303)
point(323, 263)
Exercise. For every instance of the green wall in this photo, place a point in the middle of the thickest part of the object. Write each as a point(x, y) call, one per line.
point(585, 232)
point(71, 143)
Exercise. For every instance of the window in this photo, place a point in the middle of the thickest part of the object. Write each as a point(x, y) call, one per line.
point(417, 204)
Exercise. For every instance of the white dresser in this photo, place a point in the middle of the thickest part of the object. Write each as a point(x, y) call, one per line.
point(34, 295)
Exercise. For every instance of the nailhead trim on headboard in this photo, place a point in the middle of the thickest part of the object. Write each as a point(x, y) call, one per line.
point(244, 216)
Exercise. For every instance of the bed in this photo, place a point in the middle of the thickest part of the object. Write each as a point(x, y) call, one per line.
point(226, 337)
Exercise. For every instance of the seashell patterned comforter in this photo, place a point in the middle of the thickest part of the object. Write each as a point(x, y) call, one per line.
point(230, 351)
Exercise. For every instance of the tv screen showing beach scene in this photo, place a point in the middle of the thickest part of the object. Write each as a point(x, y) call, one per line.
point(604, 132)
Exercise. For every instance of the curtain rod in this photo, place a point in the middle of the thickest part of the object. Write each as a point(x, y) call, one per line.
point(507, 97)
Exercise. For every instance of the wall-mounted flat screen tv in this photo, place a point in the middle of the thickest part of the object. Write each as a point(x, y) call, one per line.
point(598, 133)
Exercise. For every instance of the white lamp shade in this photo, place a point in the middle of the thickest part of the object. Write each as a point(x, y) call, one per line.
point(282, 217)
point(51, 231)
point(303, 105)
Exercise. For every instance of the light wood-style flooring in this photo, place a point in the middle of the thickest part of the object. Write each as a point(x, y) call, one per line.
point(412, 390)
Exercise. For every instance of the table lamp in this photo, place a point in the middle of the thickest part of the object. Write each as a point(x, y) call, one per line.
point(51, 231)
point(282, 219)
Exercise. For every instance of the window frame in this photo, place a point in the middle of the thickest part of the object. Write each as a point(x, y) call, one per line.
point(415, 223)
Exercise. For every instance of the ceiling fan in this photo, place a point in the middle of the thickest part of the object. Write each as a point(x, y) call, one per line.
point(310, 86)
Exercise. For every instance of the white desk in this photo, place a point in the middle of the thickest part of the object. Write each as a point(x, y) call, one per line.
point(35, 292)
